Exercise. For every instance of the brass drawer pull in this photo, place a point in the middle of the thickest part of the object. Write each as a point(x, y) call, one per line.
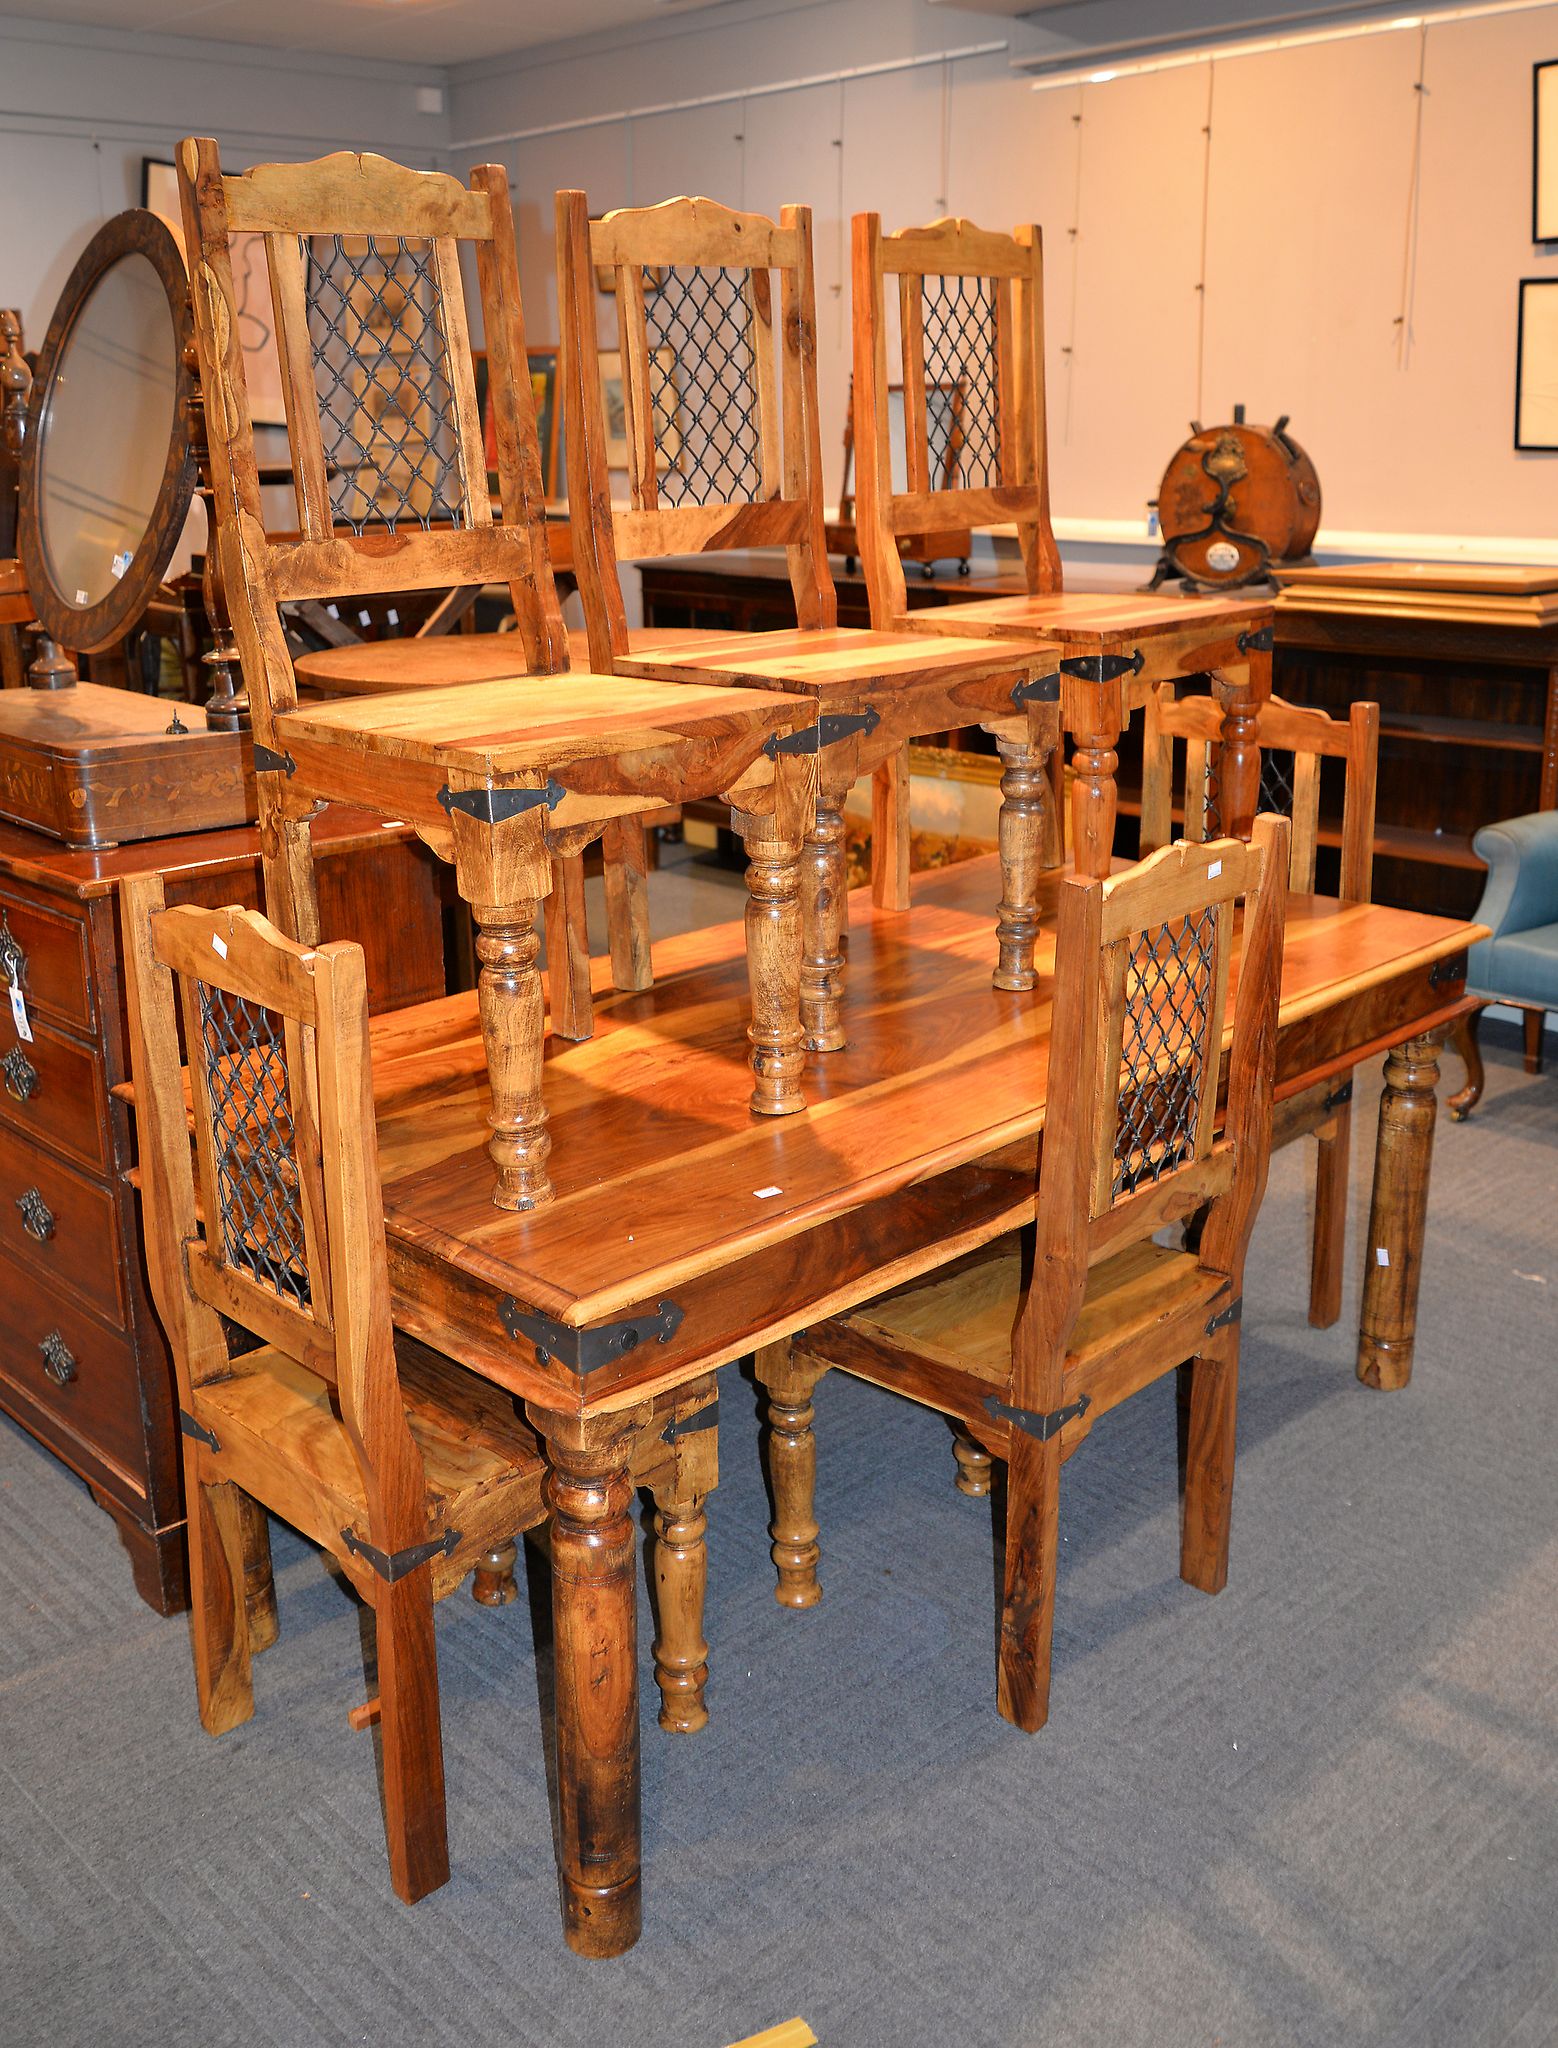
point(13, 960)
point(21, 1076)
point(37, 1216)
point(58, 1362)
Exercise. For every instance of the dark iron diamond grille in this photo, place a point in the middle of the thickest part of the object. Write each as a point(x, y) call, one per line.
point(1168, 992)
point(381, 373)
point(963, 438)
point(703, 387)
point(1275, 794)
point(253, 1141)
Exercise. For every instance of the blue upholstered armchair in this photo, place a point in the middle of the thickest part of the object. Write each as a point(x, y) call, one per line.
point(1519, 964)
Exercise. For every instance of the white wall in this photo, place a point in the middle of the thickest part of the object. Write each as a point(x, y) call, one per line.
point(79, 109)
point(1302, 193)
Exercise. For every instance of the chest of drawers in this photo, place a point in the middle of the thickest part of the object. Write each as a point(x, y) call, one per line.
point(83, 1365)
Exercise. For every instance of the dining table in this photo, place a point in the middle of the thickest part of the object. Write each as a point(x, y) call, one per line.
point(687, 1233)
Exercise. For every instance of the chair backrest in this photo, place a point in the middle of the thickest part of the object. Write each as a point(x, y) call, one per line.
point(718, 421)
point(277, 1221)
point(384, 437)
point(1141, 988)
point(970, 359)
point(1294, 741)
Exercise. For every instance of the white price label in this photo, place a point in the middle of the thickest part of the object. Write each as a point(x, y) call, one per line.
point(19, 1013)
point(219, 945)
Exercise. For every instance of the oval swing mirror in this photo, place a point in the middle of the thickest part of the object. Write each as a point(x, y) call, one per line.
point(107, 470)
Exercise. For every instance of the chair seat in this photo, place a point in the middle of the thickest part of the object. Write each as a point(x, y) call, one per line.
point(1520, 966)
point(1086, 619)
point(533, 724)
point(960, 1318)
point(484, 1468)
point(826, 660)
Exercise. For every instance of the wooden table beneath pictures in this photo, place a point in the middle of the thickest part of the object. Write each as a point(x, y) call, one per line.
point(687, 1232)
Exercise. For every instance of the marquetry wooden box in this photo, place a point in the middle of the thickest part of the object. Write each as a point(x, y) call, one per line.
point(83, 1365)
point(100, 767)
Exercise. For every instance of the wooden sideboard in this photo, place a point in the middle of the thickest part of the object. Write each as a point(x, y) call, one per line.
point(83, 1365)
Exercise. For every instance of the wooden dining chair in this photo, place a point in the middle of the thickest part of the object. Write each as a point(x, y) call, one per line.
point(717, 388)
point(266, 1253)
point(1029, 1340)
point(970, 358)
point(1295, 742)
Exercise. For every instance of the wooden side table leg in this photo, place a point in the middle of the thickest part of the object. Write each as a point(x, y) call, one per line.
point(625, 864)
point(681, 1572)
point(1463, 1034)
point(1399, 1213)
point(774, 966)
point(890, 833)
point(513, 1027)
point(588, 1492)
point(792, 1469)
point(1022, 830)
point(259, 1586)
point(824, 888)
point(1093, 800)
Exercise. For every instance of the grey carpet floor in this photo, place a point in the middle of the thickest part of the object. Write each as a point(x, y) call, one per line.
point(1320, 1809)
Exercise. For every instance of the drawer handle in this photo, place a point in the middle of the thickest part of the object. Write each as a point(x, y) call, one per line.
point(13, 960)
point(58, 1362)
point(37, 1216)
point(21, 1076)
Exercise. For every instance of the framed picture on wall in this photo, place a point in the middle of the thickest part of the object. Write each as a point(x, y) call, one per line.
point(544, 394)
point(251, 283)
point(1544, 152)
point(668, 440)
point(1536, 366)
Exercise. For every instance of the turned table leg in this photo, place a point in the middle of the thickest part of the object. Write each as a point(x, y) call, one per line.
point(588, 1492)
point(681, 1569)
point(1093, 801)
point(774, 967)
point(974, 1462)
point(1238, 753)
point(492, 1582)
point(823, 890)
point(788, 1384)
point(1021, 832)
point(1399, 1213)
point(513, 1029)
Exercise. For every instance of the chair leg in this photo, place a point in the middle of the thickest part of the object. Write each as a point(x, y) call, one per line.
point(625, 863)
point(1463, 1034)
point(415, 1828)
point(259, 1585)
point(1207, 1510)
point(1028, 1605)
point(570, 1004)
point(792, 1469)
point(218, 1620)
point(1535, 1022)
point(890, 833)
point(974, 1464)
point(1328, 1253)
point(493, 1583)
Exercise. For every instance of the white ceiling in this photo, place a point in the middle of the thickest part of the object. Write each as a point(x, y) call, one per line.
point(432, 32)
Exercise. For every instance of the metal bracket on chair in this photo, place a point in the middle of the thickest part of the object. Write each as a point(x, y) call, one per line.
point(268, 762)
point(198, 1431)
point(1338, 1096)
point(1041, 1426)
point(493, 806)
point(1103, 668)
point(395, 1564)
point(1452, 969)
point(1038, 690)
point(1233, 1313)
point(811, 739)
point(1261, 641)
point(706, 1418)
point(584, 1351)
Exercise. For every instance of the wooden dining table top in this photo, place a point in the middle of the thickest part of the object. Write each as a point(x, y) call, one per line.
point(675, 1205)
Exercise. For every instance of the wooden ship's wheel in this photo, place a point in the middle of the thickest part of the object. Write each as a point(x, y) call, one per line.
point(1235, 503)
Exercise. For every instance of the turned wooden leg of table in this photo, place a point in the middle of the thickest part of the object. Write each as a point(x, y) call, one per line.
point(492, 1582)
point(1238, 755)
point(1093, 799)
point(774, 965)
point(681, 1570)
point(589, 1490)
point(788, 1384)
point(513, 1028)
point(1021, 831)
point(975, 1464)
point(824, 887)
point(1394, 1258)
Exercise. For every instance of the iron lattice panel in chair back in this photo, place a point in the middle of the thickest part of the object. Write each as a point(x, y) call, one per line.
point(1275, 794)
point(703, 386)
point(253, 1142)
point(381, 373)
point(963, 432)
point(1168, 993)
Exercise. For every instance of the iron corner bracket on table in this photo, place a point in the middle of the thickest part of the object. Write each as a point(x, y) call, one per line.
point(1103, 668)
point(1452, 968)
point(1261, 641)
point(811, 739)
point(706, 1418)
point(492, 806)
point(396, 1564)
point(584, 1351)
point(268, 762)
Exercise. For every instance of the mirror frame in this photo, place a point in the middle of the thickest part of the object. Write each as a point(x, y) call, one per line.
point(88, 629)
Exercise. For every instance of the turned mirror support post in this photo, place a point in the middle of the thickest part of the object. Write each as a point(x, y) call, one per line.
point(227, 708)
